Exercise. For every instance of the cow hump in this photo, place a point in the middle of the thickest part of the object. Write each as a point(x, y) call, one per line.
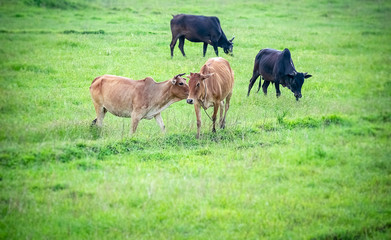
point(286, 53)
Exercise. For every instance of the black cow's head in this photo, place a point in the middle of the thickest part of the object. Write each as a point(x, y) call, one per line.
point(295, 81)
point(228, 47)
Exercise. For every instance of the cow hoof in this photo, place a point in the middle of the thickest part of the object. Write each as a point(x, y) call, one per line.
point(93, 123)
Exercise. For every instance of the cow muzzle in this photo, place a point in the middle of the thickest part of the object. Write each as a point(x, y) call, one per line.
point(229, 53)
point(298, 95)
point(190, 101)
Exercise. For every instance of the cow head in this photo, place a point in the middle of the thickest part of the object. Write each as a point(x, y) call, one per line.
point(180, 89)
point(295, 81)
point(197, 86)
point(228, 47)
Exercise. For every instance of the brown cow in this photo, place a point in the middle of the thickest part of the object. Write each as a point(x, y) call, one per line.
point(210, 87)
point(143, 99)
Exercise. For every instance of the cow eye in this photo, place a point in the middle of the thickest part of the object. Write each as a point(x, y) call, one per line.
point(198, 84)
point(181, 83)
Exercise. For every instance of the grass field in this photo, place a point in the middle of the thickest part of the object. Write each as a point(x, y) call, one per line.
point(319, 168)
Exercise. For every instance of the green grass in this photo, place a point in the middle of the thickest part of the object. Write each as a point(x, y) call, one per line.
point(314, 169)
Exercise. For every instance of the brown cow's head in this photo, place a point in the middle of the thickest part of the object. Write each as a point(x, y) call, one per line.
point(295, 82)
point(197, 86)
point(180, 89)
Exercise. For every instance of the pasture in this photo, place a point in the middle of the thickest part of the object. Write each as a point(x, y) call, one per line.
point(318, 168)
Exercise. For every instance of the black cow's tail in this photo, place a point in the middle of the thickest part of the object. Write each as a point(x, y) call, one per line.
point(256, 73)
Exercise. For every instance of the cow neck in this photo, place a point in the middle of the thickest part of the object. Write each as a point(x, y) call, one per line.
point(163, 89)
point(167, 96)
point(203, 101)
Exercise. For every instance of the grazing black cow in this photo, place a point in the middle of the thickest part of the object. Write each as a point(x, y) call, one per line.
point(277, 67)
point(199, 29)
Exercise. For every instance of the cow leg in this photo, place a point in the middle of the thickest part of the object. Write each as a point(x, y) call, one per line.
point(227, 100)
point(172, 45)
point(252, 81)
point(198, 116)
point(214, 116)
point(135, 120)
point(277, 85)
point(260, 83)
point(214, 44)
point(264, 86)
point(205, 47)
point(181, 44)
point(221, 112)
point(159, 120)
point(100, 115)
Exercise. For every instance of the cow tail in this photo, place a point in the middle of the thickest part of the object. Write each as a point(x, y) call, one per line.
point(94, 81)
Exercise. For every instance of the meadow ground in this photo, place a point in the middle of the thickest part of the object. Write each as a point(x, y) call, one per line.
point(315, 169)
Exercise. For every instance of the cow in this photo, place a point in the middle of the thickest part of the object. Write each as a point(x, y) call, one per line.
point(277, 67)
point(142, 99)
point(210, 87)
point(199, 29)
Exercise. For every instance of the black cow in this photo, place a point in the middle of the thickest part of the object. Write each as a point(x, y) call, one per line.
point(277, 67)
point(199, 29)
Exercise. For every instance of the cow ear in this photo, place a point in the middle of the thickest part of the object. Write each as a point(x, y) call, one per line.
point(306, 75)
point(173, 81)
point(207, 76)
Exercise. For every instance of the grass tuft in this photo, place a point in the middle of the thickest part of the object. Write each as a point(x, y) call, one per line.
point(32, 68)
point(306, 122)
point(57, 4)
point(364, 233)
point(84, 32)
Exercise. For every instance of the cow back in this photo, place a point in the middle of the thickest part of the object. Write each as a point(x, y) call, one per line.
point(119, 94)
point(273, 64)
point(284, 65)
point(196, 28)
point(220, 84)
